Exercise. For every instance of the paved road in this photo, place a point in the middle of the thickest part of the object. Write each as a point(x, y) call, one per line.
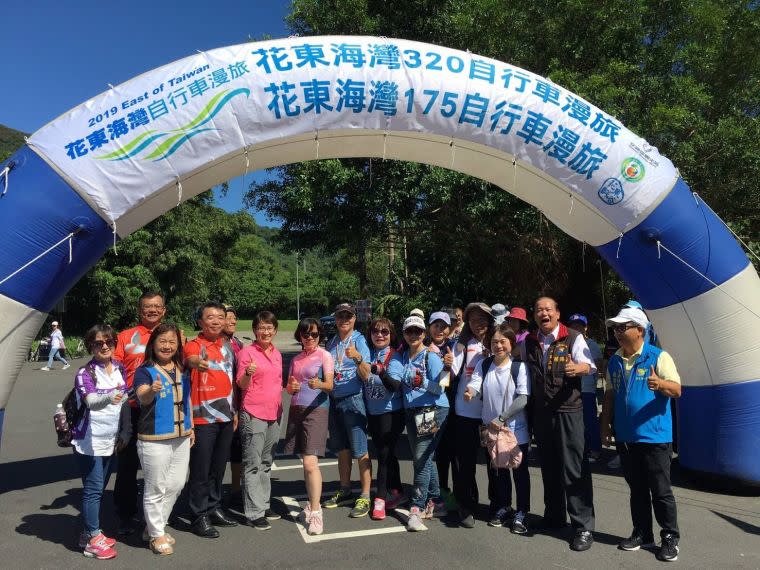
point(40, 493)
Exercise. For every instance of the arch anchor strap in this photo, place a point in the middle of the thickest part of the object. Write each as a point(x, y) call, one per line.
point(41, 255)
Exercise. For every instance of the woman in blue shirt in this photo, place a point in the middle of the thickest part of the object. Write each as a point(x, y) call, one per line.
point(418, 372)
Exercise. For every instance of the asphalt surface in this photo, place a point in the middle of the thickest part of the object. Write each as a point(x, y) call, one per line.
point(40, 493)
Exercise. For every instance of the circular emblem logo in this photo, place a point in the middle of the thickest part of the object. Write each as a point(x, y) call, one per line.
point(611, 192)
point(632, 169)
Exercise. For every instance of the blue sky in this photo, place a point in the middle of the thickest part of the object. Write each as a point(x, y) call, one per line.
point(58, 53)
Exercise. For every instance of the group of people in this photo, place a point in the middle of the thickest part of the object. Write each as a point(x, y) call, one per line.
point(442, 381)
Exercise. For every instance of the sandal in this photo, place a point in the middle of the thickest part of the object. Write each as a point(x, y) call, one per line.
point(161, 546)
point(170, 539)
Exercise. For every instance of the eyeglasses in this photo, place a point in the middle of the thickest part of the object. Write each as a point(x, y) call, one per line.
point(624, 327)
point(101, 343)
point(310, 335)
point(381, 332)
point(265, 329)
point(414, 332)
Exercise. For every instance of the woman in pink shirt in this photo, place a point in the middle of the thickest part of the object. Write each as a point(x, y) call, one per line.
point(310, 379)
point(259, 376)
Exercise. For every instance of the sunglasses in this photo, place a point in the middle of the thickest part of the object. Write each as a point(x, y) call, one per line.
point(414, 332)
point(100, 343)
point(624, 327)
point(310, 335)
point(381, 332)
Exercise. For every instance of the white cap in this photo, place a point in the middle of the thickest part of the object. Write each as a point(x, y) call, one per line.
point(54, 324)
point(414, 322)
point(417, 313)
point(629, 315)
point(499, 313)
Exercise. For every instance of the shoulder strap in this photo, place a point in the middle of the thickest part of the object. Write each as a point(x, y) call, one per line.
point(485, 366)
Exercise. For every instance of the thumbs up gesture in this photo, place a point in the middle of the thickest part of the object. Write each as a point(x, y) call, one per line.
point(314, 383)
point(293, 385)
point(572, 368)
point(250, 370)
point(469, 394)
point(157, 385)
point(654, 382)
point(352, 353)
point(448, 358)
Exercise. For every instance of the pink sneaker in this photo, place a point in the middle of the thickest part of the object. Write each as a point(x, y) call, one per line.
point(84, 539)
point(395, 499)
point(378, 510)
point(97, 548)
point(316, 525)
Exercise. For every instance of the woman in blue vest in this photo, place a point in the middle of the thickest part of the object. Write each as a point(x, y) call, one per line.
point(165, 431)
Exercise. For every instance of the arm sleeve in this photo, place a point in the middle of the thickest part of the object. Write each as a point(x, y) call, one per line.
point(460, 351)
point(522, 382)
point(85, 384)
point(191, 348)
point(394, 375)
point(363, 348)
point(328, 364)
point(518, 404)
point(98, 401)
point(433, 374)
point(476, 380)
point(582, 355)
point(666, 368)
point(142, 376)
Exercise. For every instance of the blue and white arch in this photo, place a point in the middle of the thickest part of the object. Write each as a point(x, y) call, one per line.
point(112, 164)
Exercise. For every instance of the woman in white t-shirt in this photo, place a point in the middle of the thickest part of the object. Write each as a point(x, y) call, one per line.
point(503, 387)
point(101, 389)
point(478, 322)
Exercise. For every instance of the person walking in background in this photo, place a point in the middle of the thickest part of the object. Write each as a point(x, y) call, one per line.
point(641, 380)
point(214, 414)
point(310, 380)
point(385, 418)
point(592, 437)
point(348, 413)
point(130, 350)
point(104, 427)
point(165, 431)
point(56, 346)
point(418, 373)
point(557, 358)
point(259, 378)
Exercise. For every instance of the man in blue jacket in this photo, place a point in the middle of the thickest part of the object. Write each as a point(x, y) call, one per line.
point(641, 380)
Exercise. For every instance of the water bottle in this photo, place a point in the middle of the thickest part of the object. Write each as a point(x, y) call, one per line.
point(61, 425)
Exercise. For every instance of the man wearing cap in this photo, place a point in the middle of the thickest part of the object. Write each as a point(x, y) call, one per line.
point(640, 381)
point(557, 358)
point(348, 415)
point(56, 344)
point(579, 322)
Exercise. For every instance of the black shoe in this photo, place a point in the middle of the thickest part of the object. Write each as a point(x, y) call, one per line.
point(635, 541)
point(202, 527)
point(272, 516)
point(582, 541)
point(219, 518)
point(467, 520)
point(127, 527)
point(260, 523)
point(668, 549)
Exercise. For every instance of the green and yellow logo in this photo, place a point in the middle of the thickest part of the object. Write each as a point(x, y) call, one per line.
point(632, 169)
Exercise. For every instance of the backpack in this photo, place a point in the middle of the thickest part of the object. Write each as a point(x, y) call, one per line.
point(72, 415)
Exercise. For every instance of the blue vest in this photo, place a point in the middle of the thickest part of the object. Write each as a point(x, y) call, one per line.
point(167, 416)
point(641, 415)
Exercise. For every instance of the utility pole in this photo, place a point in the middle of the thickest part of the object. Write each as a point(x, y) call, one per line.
point(298, 293)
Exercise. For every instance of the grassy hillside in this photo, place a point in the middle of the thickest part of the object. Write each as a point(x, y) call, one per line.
point(10, 141)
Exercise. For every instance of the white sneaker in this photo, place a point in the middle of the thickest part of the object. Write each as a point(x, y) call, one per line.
point(45, 368)
point(65, 366)
point(414, 523)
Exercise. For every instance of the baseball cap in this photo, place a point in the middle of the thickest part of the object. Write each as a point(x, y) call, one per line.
point(54, 324)
point(414, 322)
point(518, 313)
point(345, 308)
point(417, 313)
point(629, 315)
point(439, 316)
point(499, 312)
point(578, 317)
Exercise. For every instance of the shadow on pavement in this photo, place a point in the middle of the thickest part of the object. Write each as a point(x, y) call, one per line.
point(60, 529)
point(749, 528)
point(28, 473)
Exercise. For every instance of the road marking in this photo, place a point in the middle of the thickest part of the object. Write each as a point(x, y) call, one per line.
point(294, 510)
point(276, 467)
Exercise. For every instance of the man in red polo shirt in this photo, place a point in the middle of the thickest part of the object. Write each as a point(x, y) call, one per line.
point(130, 350)
point(211, 361)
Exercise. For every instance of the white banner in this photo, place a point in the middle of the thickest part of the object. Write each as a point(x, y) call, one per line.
point(122, 146)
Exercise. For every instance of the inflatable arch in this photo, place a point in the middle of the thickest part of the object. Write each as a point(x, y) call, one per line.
point(119, 160)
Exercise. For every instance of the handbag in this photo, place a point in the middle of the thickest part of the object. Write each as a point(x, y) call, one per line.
point(500, 441)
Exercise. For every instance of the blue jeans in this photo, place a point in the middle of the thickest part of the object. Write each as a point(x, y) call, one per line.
point(426, 483)
point(55, 353)
point(95, 470)
point(348, 425)
point(591, 423)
